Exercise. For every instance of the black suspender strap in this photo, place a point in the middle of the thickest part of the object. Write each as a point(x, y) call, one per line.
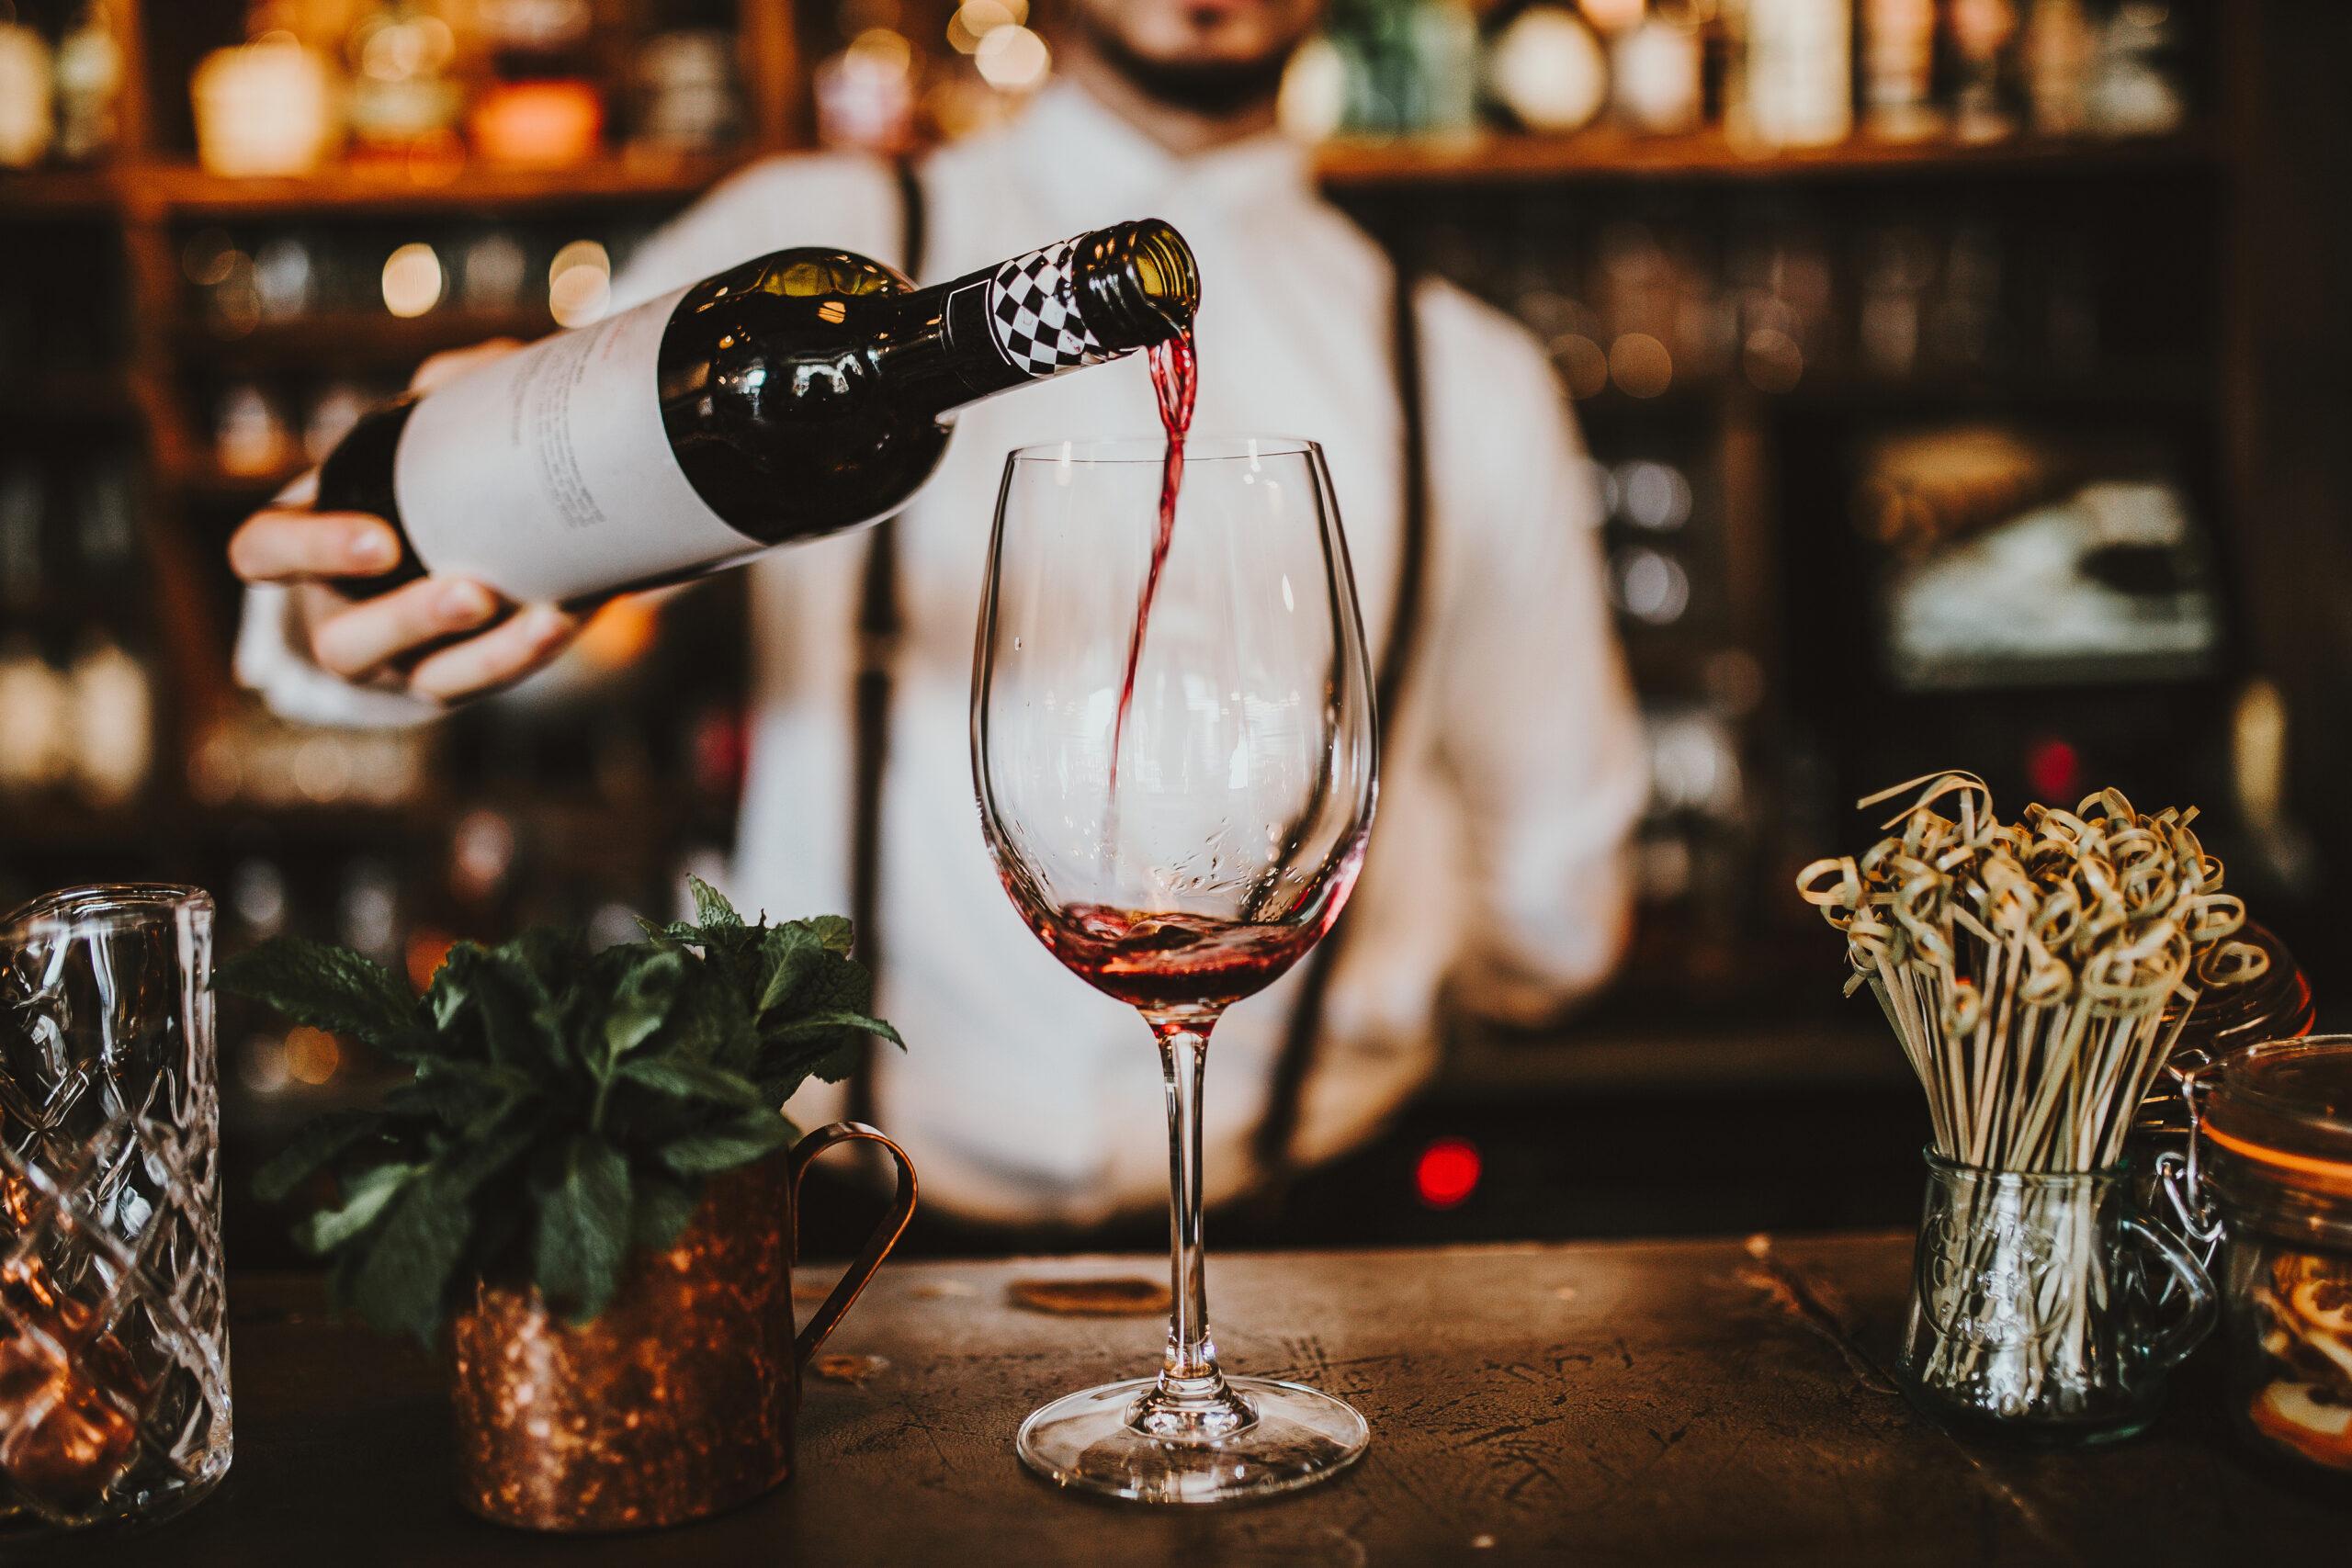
point(1279, 1127)
point(878, 634)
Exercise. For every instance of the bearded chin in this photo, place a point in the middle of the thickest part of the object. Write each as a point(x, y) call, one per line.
point(1203, 87)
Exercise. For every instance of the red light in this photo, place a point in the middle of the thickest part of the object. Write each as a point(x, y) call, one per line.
point(1447, 1172)
point(2054, 771)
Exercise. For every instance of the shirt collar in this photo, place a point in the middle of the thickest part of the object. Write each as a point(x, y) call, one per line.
point(1089, 166)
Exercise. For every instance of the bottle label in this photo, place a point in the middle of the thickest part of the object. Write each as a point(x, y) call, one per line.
point(1033, 316)
point(548, 474)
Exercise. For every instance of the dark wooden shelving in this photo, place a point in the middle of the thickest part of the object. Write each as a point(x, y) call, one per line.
point(2154, 385)
point(1608, 153)
point(620, 176)
point(54, 397)
point(362, 339)
point(208, 481)
point(59, 192)
point(172, 189)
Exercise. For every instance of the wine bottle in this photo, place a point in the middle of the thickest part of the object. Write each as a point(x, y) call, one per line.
point(790, 397)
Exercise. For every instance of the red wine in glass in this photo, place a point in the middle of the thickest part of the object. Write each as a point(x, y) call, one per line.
point(1175, 382)
point(1169, 964)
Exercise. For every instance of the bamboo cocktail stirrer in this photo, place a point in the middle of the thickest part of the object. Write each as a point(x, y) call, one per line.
point(2026, 967)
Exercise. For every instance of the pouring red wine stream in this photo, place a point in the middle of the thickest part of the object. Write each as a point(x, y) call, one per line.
point(1175, 381)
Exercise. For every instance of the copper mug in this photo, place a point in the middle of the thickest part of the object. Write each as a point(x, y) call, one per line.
point(679, 1400)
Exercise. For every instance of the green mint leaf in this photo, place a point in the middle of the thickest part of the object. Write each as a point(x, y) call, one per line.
point(837, 984)
point(484, 1154)
point(663, 1207)
point(642, 1003)
point(711, 1022)
point(327, 987)
point(835, 1064)
point(476, 1006)
point(398, 1272)
point(833, 930)
point(790, 957)
point(555, 970)
point(463, 1096)
point(711, 908)
point(321, 1142)
point(819, 1023)
point(584, 1226)
point(365, 1197)
point(751, 1136)
point(829, 1063)
point(696, 1081)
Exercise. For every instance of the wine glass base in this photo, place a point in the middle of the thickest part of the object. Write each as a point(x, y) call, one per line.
point(1083, 1441)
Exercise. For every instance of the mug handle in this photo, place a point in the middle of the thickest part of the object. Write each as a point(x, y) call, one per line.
point(886, 1231)
point(2174, 1344)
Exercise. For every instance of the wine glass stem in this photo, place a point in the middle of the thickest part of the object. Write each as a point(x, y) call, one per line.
point(1191, 1394)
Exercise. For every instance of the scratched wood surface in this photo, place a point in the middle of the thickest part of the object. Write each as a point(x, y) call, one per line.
point(1668, 1403)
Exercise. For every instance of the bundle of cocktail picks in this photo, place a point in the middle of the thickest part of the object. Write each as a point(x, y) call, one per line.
point(2026, 967)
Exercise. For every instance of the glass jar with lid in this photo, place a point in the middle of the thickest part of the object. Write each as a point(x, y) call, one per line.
point(2255, 992)
point(2275, 1158)
point(2251, 990)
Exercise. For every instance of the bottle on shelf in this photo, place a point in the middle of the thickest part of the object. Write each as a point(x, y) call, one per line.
point(1657, 74)
point(2058, 45)
point(1983, 32)
point(27, 123)
point(111, 689)
point(89, 85)
point(404, 102)
point(36, 737)
point(1791, 79)
point(543, 108)
point(1550, 70)
point(1899, 69)
point(790, 397)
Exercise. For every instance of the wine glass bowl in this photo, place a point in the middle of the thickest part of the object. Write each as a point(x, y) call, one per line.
point(1244, 775)
point(1180, 851)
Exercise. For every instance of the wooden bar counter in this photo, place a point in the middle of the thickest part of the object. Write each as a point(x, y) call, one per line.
point(1599, 1404)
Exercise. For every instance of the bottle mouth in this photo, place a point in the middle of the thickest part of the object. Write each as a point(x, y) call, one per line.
point(1143, 286)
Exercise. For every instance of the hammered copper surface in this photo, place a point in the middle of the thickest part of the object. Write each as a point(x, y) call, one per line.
point(676, 1403)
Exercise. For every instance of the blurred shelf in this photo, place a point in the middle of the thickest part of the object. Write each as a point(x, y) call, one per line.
point(395, 188)
point(56, 193)
point(180, 189)
point(52, 397)
point(584, 830)
point(1609, 153)
point(200, 479)
point(340, 340)
point(2154, 385)
point(177, 188)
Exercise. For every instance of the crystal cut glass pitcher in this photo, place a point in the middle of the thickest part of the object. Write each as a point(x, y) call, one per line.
point(114, 1354)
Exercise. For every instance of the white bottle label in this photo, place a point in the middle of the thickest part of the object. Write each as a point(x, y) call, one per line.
point(547, 475)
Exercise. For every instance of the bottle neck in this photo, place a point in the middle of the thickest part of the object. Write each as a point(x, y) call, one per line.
point(1061, 307)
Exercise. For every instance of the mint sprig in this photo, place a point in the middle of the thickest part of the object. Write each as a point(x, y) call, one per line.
point(565, 1106)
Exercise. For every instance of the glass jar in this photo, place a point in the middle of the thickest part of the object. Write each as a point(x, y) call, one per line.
point(2276, 1150)
point(2273, 1003)
point(2041, 1308)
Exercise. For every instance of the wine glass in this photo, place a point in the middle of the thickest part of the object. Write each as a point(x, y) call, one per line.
point(1179, 856)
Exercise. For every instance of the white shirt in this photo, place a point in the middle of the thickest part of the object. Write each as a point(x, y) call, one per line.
point(1508, 783)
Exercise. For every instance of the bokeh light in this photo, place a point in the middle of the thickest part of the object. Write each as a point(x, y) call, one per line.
point(412, 280)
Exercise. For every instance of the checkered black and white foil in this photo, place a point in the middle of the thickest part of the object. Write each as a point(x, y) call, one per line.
point(1033, 316)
